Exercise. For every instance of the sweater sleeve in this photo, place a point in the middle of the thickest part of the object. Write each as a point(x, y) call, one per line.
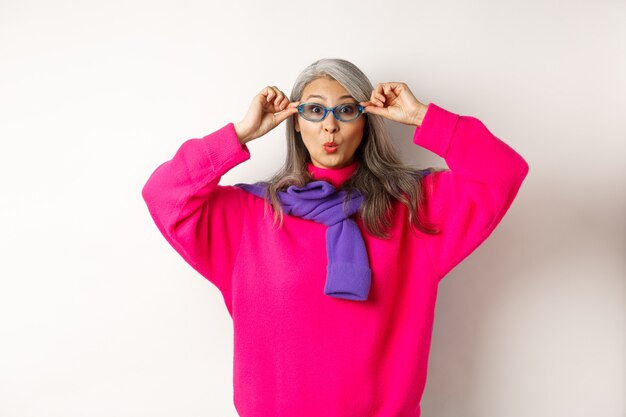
point(200, 219)
point(468, 200)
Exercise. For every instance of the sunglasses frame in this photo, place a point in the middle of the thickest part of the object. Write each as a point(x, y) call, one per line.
point(328, 110)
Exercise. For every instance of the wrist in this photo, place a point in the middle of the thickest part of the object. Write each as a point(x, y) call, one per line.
point(243, 133)
point(421, 114)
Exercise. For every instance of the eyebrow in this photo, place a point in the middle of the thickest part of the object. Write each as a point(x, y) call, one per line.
point(324, 98)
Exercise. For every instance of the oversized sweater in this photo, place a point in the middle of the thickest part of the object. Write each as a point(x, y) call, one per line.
point(298, 351)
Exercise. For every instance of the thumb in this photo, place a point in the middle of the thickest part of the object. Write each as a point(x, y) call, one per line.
point(369, 107)
point(282, 115)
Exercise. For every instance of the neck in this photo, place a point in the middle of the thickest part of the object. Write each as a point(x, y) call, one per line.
point(335, 176)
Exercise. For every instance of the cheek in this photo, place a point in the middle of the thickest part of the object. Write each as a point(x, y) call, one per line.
point(309, 145)
point(357, 134)
point(310, 135)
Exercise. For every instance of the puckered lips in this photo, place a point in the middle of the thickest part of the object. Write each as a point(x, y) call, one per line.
point(330, 147)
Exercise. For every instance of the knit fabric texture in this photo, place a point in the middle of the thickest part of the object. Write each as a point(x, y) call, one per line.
point(348, 272)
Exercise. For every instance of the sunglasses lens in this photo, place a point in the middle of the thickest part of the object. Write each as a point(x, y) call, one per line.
point(313, 111)
point(347, 111)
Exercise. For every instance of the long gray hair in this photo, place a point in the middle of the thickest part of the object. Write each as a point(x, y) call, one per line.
point(381, 176)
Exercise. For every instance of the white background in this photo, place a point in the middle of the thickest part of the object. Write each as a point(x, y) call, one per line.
point(99, 316)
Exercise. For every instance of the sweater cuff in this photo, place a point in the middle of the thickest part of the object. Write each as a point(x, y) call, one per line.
point(436, 130)
point(224, 149)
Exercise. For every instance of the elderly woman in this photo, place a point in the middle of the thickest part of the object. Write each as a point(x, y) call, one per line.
point(332, 297)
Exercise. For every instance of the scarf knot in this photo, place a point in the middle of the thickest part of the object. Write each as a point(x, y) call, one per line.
point(319, 201)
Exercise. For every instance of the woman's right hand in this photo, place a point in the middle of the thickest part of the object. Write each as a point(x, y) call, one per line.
point(268, 109)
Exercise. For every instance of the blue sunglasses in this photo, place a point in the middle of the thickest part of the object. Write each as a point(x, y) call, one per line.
point(315, 112)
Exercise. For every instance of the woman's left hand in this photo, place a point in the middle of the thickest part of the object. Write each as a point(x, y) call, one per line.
point(396, 102)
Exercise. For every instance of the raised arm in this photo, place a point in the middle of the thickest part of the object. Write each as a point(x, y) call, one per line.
point(199, 218)
point(469, 199)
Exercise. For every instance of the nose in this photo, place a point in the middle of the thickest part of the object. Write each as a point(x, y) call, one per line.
point(330, 123)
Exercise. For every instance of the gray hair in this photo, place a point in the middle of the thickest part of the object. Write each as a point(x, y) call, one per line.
point(381, 176)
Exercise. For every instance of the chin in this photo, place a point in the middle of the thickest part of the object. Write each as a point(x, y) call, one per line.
point(333, 163)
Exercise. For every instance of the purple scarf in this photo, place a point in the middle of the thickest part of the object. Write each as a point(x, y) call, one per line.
point(348, 274)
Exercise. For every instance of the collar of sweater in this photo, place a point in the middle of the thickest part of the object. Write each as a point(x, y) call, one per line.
point(335, 176)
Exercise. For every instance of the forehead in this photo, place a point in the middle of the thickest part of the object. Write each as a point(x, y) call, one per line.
point(330, 90)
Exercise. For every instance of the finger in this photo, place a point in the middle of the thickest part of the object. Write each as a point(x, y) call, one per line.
point(374, 110)
point(367, 104)
point(282, 115)
point(395, 89)
point(291, 104)
point(290, 108)
point(279, 99)
point(375, 98)
point(285, 103)
point(278, 95)
point(270, 94)
point(378, 95)
point(282, 103)
point(373, 95)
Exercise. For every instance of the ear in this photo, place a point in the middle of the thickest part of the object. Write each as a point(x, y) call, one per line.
point(296, 125)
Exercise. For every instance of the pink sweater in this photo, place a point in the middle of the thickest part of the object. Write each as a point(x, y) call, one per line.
point(297, 351)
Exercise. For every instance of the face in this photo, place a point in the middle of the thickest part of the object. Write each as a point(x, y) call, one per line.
point(346, 135)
